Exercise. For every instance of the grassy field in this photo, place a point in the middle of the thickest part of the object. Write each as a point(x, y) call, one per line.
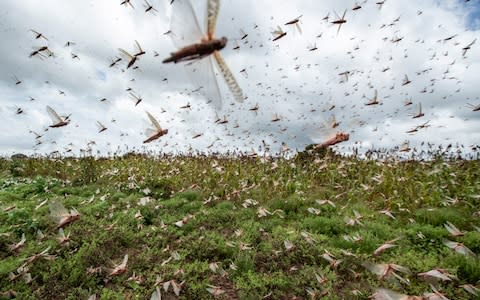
point(238, 228)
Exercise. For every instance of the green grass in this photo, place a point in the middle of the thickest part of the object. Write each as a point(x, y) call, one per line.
point(210, 193)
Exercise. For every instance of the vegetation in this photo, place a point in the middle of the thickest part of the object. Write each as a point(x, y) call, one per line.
point(237, 227)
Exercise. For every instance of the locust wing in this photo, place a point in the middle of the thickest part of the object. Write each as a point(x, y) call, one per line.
point(139, 48)
point(53, 115)
point(299, 28)
point(229, 78)
point(202, 74)
point(99, 125)
point(212, 11)
point(149, 132)
point(125, 54)
point(184, 26)
point(319, 134)
point(377, 269)
point(278, 31)
point(384, 294)
point(156, 295)
point(58, 211)
point(154, 122)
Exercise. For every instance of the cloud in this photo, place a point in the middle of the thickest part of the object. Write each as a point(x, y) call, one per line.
point(283, 77)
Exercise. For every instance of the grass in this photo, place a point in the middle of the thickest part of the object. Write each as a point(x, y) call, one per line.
point(223, 241)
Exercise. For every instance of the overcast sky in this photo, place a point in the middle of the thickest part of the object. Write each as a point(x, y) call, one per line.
point(283, 77)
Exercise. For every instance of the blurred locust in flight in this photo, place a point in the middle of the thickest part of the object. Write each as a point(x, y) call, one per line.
point(126, 3)
point(38, 35)
point(42, 52)
point(474, 107)
point(132, 58)
point(340, 21)
point(101, 127)
point(17, 81)
point(199, 48)
point(468, 47)
point(330, 135)
point(149, 7)
point(278, 34)
point(56, 119)
point(156, 132)
point(295, 22)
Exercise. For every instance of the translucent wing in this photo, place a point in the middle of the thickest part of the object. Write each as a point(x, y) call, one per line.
point(277, 31)
point(61, 233)
point(100, 125)
point(332, 122)
point(450, 244)
point(321, 133)
point(377, 269)
point(58, 211)
point(53, 115)
point(184, 24)
point(125, 53)
point(229, 78)
point(137, 45)
point(203, 75)
point(212, 10)
point(176, 288)
point(400, 268)
point(150, 132)
point(154, 121)
point(125, 261)
point(299, 28)
point(384, 294)
point(156, 295)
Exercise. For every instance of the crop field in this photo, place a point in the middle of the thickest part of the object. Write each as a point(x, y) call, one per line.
point(204, 227)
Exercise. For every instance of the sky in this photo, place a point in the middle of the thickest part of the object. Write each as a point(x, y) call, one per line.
point(377, 46)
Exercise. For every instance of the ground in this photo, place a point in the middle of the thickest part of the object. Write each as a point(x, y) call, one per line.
point(250, 227)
